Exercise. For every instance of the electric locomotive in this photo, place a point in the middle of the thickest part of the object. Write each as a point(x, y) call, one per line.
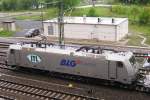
point(84, 61)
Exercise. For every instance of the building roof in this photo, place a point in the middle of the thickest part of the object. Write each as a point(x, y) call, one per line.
point(90, 20)
point(8, 21)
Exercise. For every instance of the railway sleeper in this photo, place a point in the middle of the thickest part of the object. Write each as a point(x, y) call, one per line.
point(27, 93)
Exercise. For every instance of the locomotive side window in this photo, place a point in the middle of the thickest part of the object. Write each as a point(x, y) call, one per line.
point(12, 51)
point(148, 60)
point(119, 64)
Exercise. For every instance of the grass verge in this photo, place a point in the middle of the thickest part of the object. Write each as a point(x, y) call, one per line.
point(6, 33)
point(136, 29)
point(44, 14)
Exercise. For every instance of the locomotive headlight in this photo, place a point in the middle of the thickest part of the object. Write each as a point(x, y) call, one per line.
point(70, 85)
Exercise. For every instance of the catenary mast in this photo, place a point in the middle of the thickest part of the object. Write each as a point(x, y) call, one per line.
point(61, 22)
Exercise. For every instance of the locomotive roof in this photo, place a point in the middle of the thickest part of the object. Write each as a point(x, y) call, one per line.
point(72, 50)
point(119, 56)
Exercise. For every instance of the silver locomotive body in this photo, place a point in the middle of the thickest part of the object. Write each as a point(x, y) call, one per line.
point(118, 67)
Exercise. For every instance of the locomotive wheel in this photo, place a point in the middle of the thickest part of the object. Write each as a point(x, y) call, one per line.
point(137, 88)
point(106, 83)
point(14, 67)
point(147, 89)
point(121, 85)
point(112, 83)
point(142, 89)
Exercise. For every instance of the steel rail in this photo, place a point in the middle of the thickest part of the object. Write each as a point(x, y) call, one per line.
point(40, 92)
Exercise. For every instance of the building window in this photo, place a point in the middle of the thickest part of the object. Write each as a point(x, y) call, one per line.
point(50, 30)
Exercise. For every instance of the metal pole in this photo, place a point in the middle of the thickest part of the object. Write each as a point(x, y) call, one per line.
point(41, 4)
point(61, 23)
point(60, 19)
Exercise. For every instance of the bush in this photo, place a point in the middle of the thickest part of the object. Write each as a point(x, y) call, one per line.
point(92, 12)
point(144, 17)
point(135, 11)
point(120, 10)
point(145, 2)
point(5, 33)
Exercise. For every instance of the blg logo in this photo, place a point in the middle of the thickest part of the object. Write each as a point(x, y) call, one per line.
point(34, 58)
point(69, 63)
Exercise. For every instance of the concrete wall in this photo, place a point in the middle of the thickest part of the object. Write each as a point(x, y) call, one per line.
point(105, 32)
point(122, 30)
point(10, 26)
point(13, 27)
point(91, 31)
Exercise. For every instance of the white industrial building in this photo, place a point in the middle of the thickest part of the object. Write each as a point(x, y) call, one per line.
point(100, 28)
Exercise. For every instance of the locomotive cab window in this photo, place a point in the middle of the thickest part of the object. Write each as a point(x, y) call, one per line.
point(119, 64)
point(132, 60)
point(148, 60)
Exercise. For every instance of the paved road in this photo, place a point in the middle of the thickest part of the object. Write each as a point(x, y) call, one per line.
point(22, 25)
point(25, 25)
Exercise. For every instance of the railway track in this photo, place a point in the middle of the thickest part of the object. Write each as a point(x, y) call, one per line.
point(5, 44)
point(3, 53)
point(37, 92)
point(2, 97)
point(3, 57)
point(135, 49)
point(31, 90)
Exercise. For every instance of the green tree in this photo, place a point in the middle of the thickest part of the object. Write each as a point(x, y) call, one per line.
point(67, 3)
point(8, 4)
point(71, 3)
point(134, 1)
point(35, 4)
point(144, 17)
point(135, 12)
point(24, 4)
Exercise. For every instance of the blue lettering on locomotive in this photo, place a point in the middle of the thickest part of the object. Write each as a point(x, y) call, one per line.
point(68, 63)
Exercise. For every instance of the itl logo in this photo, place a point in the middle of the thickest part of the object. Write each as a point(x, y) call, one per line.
point(34, 58)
